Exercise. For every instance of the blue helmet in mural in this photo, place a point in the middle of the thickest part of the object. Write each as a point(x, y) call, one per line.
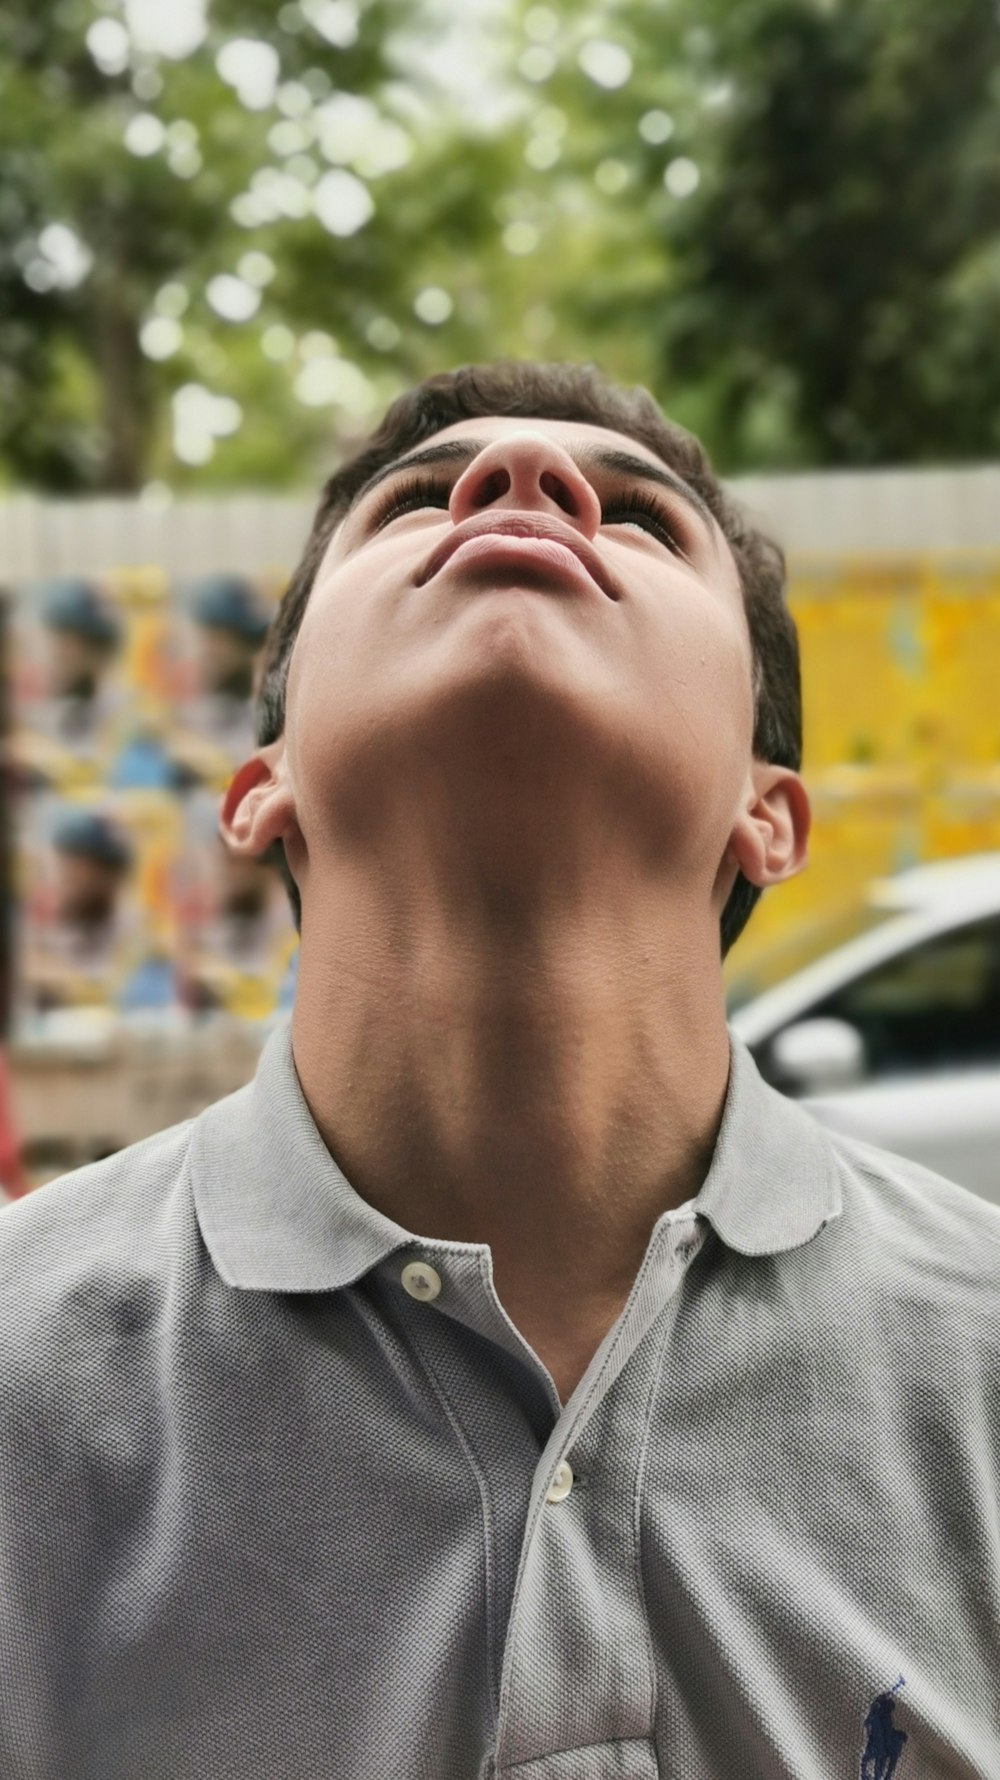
point(229, 602)
point(85, 835)
point(73, 604)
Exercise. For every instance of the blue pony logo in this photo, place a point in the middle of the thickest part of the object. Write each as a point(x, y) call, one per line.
point(885, 1741)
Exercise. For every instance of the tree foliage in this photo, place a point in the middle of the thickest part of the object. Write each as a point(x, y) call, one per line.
point(838, 277)
point(219, 260)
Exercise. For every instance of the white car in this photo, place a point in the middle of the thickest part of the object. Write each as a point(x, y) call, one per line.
point(886, 1023)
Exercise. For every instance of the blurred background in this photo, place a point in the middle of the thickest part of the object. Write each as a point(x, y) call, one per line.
point(231, 232)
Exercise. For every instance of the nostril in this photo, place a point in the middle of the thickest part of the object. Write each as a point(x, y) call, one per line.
point(492, 488)
point(558, 492)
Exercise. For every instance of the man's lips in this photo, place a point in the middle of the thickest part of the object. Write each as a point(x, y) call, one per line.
point(529, 527)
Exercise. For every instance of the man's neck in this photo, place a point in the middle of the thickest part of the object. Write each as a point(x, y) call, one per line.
point(551, 1103)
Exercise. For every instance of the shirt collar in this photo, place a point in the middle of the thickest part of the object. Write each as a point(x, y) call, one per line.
point(277, 1213)
point(775, 1177)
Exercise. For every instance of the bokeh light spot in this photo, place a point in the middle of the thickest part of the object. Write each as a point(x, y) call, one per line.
point(537, 63)
point(232, 298)
point(382, 333)
point(432, 305)
point(200, 417)
point(293, 99)
point(334, 382)
point(144, 134)
point(287, 138)
point(656, 126)
point(606, 64)
point(541, 24)
point(173, 30)
point(681, 177)
point(542, 152)
point(184, 160)
point(318, 344)
point(160, 337)
point(171, 299)
point(611, 177)
point(108, 43)
point(336, 20)
point(342, 202)
point(147, 85)
point(256, 268)
point(68, 258)
point(277, 343)
point(251, 68)
point(520, 237)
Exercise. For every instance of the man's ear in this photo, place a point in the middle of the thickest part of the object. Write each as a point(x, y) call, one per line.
point(258, 808)
point(769, 842)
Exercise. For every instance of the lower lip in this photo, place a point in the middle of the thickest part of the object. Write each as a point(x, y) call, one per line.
point(518, 552)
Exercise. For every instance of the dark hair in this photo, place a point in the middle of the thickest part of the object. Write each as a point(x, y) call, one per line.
point(576, 393)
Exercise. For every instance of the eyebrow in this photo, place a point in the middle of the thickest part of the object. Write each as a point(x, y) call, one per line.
point(589, 457)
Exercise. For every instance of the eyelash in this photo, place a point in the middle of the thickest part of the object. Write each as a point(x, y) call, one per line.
point(424, 491)
point(421, 491)
point(634, 504)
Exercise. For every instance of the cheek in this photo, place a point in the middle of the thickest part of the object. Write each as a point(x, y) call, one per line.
point(312, 699)
point(701, 660)
point(332, 683)
point(702, 697)
point(732, 675)
point(323, 647)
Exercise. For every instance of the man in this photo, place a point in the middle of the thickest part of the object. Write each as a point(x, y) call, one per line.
point(233, 624)
point(66, 725)
point(508, 1383)
point(80, 931)
point(215, 727)
point(84, 636)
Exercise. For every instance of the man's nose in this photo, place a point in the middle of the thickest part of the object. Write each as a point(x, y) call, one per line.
point(527, 471)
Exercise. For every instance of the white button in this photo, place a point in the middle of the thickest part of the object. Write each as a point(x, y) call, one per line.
point(421, 1280)
point(562, 1483)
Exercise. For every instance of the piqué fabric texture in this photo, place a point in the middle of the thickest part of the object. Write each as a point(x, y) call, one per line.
point(273, 1507)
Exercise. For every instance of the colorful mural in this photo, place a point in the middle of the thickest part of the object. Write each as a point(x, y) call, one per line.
point(132, 702)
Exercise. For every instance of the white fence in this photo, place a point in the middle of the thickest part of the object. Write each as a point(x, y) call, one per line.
point(246, 534)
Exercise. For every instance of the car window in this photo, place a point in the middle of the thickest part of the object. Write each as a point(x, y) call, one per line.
point(930, 1008)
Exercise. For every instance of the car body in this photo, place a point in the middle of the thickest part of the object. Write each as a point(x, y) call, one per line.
point(886, 1025)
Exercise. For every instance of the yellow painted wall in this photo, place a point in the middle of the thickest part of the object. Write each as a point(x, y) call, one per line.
point(901, 709)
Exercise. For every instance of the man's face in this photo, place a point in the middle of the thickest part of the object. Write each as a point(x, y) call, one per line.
point(76, 664)
point(86, 890)
point(226, 661)
point(432, 642)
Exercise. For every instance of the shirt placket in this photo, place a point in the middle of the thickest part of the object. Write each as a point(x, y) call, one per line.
point(578, 1674)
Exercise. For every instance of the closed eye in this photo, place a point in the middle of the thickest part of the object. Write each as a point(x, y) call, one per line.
point(409, 497)
point(645, 513)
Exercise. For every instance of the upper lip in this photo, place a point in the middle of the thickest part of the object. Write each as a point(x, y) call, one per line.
point(521, 525)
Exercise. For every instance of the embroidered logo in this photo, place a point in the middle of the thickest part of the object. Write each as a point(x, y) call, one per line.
point(885, 1740)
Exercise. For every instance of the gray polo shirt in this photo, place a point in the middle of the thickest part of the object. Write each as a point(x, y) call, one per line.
point(284, 1495)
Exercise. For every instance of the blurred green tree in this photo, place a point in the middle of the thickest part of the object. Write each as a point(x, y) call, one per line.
point(823, 183)
point(837, 290)
point(148, 155)
point(230, 231)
